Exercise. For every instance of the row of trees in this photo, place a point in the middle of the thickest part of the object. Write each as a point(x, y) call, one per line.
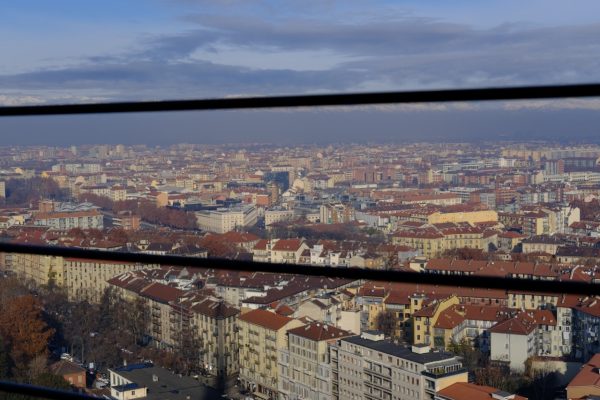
point(147, 211)
point(23, 192)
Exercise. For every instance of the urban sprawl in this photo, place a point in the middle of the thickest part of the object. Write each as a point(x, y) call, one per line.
point(128, 330)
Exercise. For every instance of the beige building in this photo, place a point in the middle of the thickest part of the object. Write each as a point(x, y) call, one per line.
point(88, 279)
point(227, 219)
point(260, 334)
point(91, 219)
point(278, 215)
point(472, 217)
point(40, 269)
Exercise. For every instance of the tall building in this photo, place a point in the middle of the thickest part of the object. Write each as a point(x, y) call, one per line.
point(336, 213)
point(260, 334)
point(369, 367)
point(304, 368)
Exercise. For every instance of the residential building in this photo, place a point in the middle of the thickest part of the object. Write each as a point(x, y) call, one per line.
point(90, 219)
point(260, 334)
point(149, 382)
point(304, 367)
point(336, 213)
point(371, 368)
point(227, 219)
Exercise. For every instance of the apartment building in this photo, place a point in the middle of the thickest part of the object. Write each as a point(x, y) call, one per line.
point(371, 368)
point(336, 213)
point(227, 219)
point(40, 269)
point(285, 251)
point(89, 219)
point(88, 279)
point(188, 320)
point(304, 368)
point(277, 215)
point(216, 324)
point(426, 318)
point(260, 334)
point(432, 240)
point(586, 328)
point(528, 333)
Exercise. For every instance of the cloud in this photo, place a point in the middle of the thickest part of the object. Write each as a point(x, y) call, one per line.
point(231, 52)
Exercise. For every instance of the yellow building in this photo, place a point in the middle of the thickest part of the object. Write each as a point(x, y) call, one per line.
point(425, 319)
point(472, 217)
point(88, 279)
point(40, 269)
point(260, 334)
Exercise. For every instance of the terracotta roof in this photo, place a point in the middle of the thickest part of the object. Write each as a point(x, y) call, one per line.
point(319, 331)
point(588, 375)
point(266, 319)
point(161, 293)
point(524, 322)
point(64, 367)
point(284, 310)
point(470, 391)
point(287, 245)
point(448, 319)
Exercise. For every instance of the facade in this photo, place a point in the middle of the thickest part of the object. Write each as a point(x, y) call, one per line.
point(527, 334)
point(260, 334)
point(278, 215)
point(371, 368)
point(335, 213)
point(227, 219)
point(304, 368)
point(88, 279)
point(90, 219)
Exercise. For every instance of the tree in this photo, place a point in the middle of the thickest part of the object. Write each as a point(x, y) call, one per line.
point(471, 357)
point(49, 380)
point(23, 325)
point(386, 323)
point(5, 361)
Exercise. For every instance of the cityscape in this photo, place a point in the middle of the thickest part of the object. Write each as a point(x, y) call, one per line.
point(128, 330)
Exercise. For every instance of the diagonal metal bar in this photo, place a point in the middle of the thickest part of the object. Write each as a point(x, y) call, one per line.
point(482, 282)
point(421, 96)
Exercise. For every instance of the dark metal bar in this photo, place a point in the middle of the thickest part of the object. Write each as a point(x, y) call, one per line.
point(482, 282)
point(42, 392)
point(420, 96)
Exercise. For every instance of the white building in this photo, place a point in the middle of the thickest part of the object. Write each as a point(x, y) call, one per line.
point(369, 367)
point(227, 219)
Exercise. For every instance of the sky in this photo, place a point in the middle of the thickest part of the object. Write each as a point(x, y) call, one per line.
point(66, 51)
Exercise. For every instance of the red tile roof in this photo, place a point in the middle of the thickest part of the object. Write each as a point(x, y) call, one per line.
point(318, 331)
point(266, 319)
point(470, 391)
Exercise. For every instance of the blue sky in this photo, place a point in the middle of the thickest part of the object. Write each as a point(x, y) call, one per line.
point(64, 51)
